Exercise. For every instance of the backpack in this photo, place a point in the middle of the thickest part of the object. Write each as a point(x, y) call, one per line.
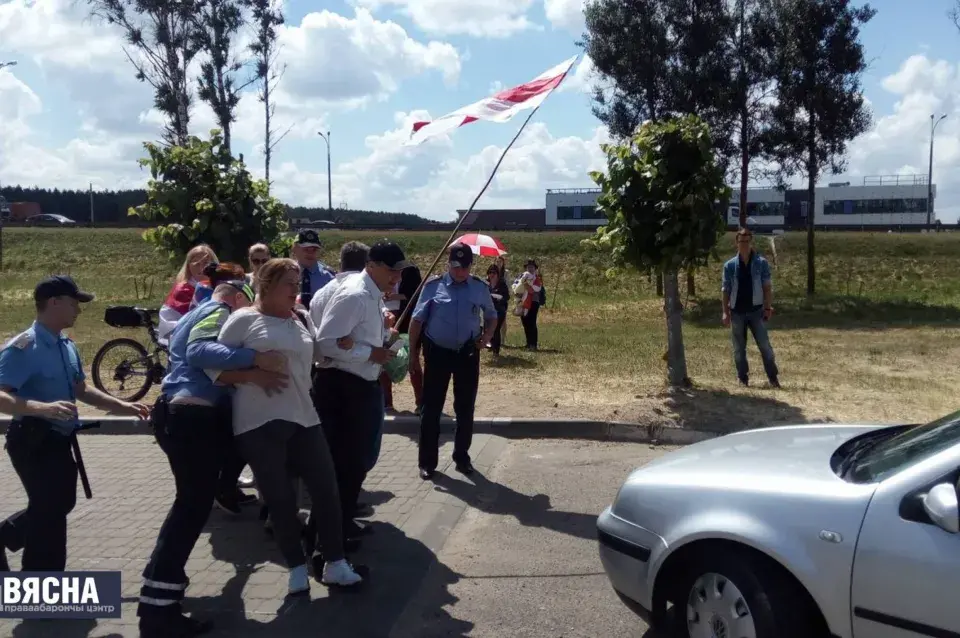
point(543, 296)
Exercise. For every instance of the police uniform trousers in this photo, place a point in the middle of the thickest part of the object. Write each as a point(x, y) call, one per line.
point(440, 364)
point(196, 440)
point(43, 459)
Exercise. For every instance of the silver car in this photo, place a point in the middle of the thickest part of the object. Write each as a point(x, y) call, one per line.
point(848, 531)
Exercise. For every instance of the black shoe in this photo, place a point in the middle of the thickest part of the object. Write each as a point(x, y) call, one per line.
point(4, 565)
point(363, 510)
point(745, 382)
point(465, 468)
point(228, 503)
point(774, 383)
point(426, 475)
point(175, 627)
point(353, 529)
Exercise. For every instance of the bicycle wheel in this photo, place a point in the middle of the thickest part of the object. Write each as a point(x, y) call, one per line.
point(122, 369)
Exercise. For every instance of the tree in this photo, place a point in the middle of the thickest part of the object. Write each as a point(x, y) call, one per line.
point(660, 193)
point(162, 36)
point(819, 100)
point(955, 14)
point(198, 193)
point(754, 45)
point(216, 24)
point(267, 17)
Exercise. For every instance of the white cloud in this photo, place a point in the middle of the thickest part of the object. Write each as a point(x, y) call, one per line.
point(583, 79)
point(565, 14)
point(478, 18)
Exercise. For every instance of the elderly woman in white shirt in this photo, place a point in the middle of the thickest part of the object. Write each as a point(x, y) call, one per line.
point(282, 432)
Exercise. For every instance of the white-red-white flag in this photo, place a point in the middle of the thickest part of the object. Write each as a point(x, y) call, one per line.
point(497, 108)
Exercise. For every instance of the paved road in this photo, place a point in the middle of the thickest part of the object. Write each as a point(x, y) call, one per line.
point(522, 562)
point(510, 552)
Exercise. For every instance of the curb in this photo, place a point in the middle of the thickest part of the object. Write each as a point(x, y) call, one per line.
point(505, 427)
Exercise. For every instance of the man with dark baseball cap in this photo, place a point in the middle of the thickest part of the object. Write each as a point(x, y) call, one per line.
point(41, 379)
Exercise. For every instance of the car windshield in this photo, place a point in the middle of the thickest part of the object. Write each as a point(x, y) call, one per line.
point(913, 445)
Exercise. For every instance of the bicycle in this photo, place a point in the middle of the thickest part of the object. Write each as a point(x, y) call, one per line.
point(135, 365)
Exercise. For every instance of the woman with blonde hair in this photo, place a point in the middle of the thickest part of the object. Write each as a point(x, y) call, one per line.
point(181, 297)
point(282, 435)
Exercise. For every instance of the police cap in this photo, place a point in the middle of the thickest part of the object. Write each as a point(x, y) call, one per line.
point(460, 256)
point(60, 286)
point(308, 237)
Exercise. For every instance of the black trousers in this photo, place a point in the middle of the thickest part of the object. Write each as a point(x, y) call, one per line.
point(530, 329)
point(350, 409)
point(233, 464)
point(496, 342)
point(44, 462)
point(195, 439)
point(440, 364)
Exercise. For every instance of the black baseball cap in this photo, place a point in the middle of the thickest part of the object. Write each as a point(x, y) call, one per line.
point(308, 237)
point(60, 286)
point(389, 254)
point(460, 256)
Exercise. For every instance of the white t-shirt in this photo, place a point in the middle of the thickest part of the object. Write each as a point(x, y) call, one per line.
point(248, 328)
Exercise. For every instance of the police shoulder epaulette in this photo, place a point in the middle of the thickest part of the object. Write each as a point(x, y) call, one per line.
point(21, 341)
point(433, 278)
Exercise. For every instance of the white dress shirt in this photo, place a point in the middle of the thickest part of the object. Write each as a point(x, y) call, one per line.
point(320, 300)
point(356, 309)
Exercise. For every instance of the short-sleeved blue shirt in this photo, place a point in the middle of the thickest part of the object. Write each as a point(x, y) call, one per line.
point(451, 312)
point(38, 365)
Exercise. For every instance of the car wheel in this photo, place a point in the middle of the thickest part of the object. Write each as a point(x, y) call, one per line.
point(739, 595)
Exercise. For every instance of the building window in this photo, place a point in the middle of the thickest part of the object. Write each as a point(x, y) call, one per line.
point(565, 212)
point(591, 212)
point(875, 206)
point(765, 209)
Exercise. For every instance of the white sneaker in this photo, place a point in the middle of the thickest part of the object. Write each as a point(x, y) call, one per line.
point(299, 581)
point(340, 573)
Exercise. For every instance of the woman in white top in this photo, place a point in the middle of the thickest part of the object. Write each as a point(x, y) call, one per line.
point(281, 431)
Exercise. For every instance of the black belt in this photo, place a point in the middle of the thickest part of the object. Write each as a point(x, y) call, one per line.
point(467, 348)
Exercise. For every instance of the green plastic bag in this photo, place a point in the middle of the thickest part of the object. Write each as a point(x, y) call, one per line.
point(397, 367)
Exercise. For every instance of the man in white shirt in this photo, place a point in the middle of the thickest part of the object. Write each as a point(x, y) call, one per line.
point(348, 394)
point(353, 259)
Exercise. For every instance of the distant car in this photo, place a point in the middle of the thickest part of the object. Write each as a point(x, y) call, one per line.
point(851, 531)
point(48, 219)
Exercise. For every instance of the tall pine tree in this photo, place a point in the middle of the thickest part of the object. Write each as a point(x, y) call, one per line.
point(820, 106)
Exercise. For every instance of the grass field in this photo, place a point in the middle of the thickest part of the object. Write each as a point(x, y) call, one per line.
point(879, 343)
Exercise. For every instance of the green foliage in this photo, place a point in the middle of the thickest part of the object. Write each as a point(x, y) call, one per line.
point(660, 194)
point(199, 193)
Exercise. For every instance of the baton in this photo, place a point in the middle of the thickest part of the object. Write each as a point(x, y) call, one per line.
point(78, 458)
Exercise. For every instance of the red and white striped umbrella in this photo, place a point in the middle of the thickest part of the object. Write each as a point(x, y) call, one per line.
point(483, 245)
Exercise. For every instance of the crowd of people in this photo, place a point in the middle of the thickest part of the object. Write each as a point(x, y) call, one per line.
point(278, 365)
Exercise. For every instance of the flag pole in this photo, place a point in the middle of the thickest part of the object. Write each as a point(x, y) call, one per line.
point(456, 228)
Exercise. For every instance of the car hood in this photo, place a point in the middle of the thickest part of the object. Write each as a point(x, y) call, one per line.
point(788, 457)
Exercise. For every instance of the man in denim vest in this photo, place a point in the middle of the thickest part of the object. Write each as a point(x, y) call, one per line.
point(747, 297)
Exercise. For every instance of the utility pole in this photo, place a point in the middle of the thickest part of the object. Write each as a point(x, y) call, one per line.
point(933, 128)
point(326, 138)
point(2, 66)
point(91, 205)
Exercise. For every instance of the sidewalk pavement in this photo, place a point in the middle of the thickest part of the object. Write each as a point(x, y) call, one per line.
point(409, 425)
point(236, 573)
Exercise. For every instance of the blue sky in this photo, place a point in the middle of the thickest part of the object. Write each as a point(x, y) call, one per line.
point(71, 113)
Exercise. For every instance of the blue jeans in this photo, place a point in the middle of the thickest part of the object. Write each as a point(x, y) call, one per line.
point(377, 438)
point(739, 324)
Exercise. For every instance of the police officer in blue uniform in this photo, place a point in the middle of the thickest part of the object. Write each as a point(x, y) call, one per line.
point(192, 421)
point(453, 321)
point(41, 379)
point(314, 274)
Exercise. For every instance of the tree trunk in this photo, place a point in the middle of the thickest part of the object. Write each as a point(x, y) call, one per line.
point(691, 284)
point(676, 357)
point(812, 171)
point(659, 276)
point(744, 121)
point(267, 133)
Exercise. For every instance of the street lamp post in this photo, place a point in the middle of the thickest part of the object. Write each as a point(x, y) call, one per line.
point(3, 65)
point(326, 138)
point(933, 128)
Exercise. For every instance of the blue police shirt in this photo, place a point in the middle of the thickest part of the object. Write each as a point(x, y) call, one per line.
point(450, 312)
point(320, 276)
point(39, 365)
point(194, 349)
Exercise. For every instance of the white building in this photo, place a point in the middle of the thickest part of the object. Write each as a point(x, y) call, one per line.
point(880, 203)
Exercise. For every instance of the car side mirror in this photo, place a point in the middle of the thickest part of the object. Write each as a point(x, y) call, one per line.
point(942, 506)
